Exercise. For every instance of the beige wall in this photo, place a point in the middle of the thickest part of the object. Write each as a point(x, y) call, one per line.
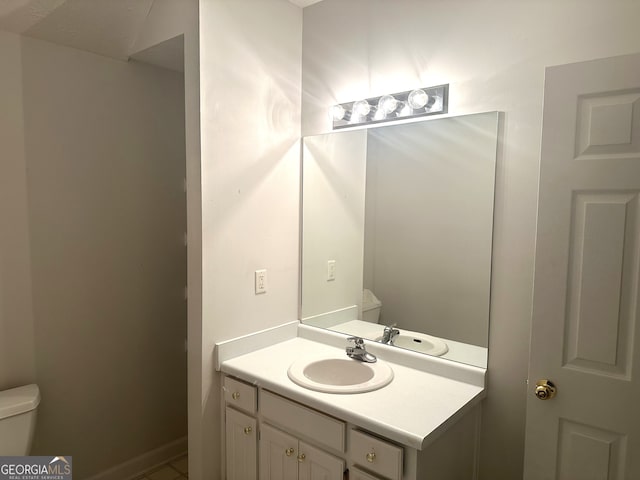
point(17, 359)
point(250, 54)
point(195, 355)
point(493, 54)
point(104, 152)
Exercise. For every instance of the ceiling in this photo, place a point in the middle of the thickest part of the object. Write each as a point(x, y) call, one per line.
point(105, 27)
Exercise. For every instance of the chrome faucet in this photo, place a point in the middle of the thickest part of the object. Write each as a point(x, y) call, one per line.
point(358, 351)
point(389, 335)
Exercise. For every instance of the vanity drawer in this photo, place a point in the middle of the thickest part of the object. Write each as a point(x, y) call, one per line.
point(357, 474)
point(378, 456)
point(304, 421)
point(241, 395)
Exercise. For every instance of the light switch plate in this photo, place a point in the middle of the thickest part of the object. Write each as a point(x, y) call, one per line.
point(331, 270)
point(261, 281)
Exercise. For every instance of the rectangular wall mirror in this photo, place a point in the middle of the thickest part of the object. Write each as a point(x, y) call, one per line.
point(397, 226)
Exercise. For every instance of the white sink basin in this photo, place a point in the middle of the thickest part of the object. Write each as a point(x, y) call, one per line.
point(340, 375)
point(419, 342)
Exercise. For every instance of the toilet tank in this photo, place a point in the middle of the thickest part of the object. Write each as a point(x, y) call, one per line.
point(370, 307)
point(18, 419)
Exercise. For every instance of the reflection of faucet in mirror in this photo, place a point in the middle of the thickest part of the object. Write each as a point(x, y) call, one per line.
point(389, 334)
point(397, 225)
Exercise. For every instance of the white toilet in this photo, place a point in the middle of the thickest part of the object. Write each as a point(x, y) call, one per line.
point(370, 307)
point(18, 419)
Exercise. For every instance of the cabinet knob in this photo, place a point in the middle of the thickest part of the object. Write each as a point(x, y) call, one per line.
point(371, 456)
point(235, 395)
point(289, 451)
point(248, 430)
point(301, 457)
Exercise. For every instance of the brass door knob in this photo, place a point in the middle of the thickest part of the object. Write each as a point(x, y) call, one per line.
point(545, 389)
point(248, 430)
point(235, 395)
point(371, 457)
point(301, 457)
point(289, 451)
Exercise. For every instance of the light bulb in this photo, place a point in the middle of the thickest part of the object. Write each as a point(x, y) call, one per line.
point(418, 99)
point(337, 113)
point(387, 104)
point(361, 108)
point(379, 115)
point(405, 111)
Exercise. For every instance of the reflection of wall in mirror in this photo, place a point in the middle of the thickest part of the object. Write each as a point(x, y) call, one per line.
point(429, 222)
point(333, 221)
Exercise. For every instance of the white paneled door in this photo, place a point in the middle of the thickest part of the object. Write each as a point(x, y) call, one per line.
point(586, 313)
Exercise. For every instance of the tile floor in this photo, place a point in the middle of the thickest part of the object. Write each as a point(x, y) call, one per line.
point(178, 468)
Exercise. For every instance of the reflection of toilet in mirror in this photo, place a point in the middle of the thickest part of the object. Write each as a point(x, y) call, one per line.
point(370, 307)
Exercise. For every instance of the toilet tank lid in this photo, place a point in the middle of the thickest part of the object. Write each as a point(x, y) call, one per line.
point(19, 400)
point(369, 300)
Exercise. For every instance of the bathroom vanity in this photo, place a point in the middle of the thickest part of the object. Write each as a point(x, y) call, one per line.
point(423, 424)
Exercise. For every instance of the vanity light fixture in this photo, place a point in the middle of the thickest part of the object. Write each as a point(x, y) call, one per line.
point(397, 106)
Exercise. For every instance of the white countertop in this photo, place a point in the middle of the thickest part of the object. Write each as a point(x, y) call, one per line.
point(414, 409)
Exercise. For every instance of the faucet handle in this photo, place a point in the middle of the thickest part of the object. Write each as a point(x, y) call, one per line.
point(358, 341)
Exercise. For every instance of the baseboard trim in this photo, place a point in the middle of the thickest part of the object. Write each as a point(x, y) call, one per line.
point(138, 465)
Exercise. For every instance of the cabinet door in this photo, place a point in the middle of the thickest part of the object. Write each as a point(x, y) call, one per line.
point(278, 454)
point(241, 446)
point(315, 464)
